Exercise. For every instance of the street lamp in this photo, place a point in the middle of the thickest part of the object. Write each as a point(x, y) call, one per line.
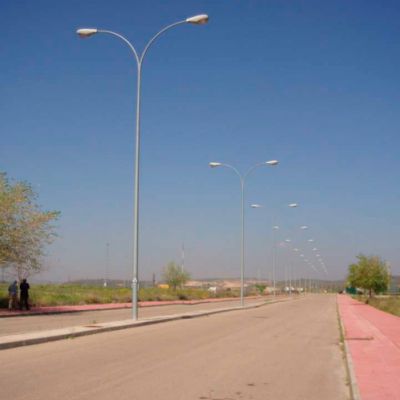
point(242, 179)
point(87, 32)
point(274, 229)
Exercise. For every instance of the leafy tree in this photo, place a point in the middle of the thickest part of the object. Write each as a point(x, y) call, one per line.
point(260, 287)
point(370, 273)
point(24, 228)
point(174, 276)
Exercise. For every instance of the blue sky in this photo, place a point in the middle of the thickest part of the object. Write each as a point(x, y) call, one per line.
point(313, 84)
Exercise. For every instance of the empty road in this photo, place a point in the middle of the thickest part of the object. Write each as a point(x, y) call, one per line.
point(287, 350)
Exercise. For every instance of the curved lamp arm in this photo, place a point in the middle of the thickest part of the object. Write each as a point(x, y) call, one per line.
point(261, 164)
point(153, 39)
point(235, 170)
point(125, 40)
point(249, 171)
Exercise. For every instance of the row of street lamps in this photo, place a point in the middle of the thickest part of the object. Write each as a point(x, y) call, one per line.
point(242, 179)
point(139, 58)
point(274, 229)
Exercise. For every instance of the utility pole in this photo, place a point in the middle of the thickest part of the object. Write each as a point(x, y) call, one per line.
point(106, 264)
point(183, 257)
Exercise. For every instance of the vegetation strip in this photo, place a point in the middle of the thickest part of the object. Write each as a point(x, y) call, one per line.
point(389, 304)
point(52, 295)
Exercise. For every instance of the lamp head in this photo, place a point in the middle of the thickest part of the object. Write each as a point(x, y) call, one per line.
point(213, 164)
point(304, 227)
point(200, 19)
point(293, 205)
point(255, 205)
point(271, 163)
point(86, 32)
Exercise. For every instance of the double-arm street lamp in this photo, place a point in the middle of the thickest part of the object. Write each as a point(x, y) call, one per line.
point(242, 179)
point(87, 32)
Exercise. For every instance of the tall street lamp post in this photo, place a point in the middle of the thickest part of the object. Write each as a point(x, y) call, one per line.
point(242, 179)
point(274, 229)
point(87, 32)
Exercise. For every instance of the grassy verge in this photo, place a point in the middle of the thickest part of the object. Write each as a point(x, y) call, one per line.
point(54, 295)
point(390, 304)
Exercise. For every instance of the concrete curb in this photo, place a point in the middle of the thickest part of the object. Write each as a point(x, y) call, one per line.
point(354, 392)
point(12, 341)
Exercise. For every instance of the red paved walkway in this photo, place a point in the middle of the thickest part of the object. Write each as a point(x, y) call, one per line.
point(373, 338)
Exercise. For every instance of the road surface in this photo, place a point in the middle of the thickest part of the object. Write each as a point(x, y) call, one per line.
point(287, 350)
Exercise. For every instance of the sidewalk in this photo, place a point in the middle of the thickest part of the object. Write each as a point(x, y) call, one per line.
point(373, 340)
point(29, 338)
point(4, 313)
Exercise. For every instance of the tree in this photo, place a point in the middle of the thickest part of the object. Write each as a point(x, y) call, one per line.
point(174, 276)
point(260, 288)
point(370, 273)
point(25, 229)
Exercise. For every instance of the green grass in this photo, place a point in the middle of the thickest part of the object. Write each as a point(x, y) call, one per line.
point(53, 295)
point(157, 294)
point(390, 304)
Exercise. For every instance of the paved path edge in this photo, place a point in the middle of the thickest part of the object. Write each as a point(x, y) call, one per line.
point(354, 391)
point(12, 341)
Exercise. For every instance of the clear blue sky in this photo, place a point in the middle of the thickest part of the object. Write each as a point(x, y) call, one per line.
point(313, 84)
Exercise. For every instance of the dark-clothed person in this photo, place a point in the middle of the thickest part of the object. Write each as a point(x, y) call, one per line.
point(24, 295)
point(12, 295)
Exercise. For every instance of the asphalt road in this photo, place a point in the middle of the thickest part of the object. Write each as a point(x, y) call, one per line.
point(287, 350)
point(36, 323)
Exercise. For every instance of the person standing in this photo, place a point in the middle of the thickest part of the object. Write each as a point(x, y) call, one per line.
point(12, 295)
point(24, 294)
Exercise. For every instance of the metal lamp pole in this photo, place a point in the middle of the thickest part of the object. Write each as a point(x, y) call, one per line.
point(87, 32)
point(242, 179)
point(274, 229)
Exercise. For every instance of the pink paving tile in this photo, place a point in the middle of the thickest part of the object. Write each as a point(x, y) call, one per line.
point(373, 338)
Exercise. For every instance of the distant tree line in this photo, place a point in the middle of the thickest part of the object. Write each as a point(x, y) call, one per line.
point(25, 229)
